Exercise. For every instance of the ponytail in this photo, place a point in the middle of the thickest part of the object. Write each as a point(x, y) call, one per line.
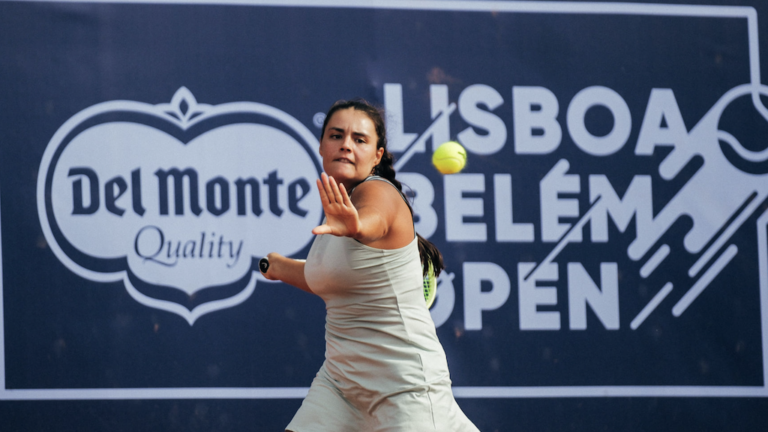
point(386, 170)
point(430, 254)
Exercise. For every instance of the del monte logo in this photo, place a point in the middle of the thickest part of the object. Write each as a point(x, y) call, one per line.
point(178, 200)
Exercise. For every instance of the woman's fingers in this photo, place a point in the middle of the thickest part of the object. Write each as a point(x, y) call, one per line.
point(345, 196)
point(323, 196)
point(322, 229)
point(327, 188)
point(327, 196)
point(329, 183)
point(332, 192)
point(335, 190)
point(341, 216)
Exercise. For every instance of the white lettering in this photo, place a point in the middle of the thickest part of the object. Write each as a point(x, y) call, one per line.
point(622, 121)
point(494, 140)
point(604, 301)
point(457, 207)
point(506, 229)
point(423, 197)
point(531, 296)
point(534, 111)
point(662, 106)
point(475, 299)
point(397, 139)
point(637, 201)
point(553, 207)
point(441, 129)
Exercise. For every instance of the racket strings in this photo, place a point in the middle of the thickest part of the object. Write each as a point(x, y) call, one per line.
point(430, 285)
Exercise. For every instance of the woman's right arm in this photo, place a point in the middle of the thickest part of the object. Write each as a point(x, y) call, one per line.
point(287, 270)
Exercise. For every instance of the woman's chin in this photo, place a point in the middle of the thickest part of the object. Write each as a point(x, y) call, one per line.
point(343, 174)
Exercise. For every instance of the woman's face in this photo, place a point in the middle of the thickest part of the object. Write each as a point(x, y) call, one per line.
point(348, 147)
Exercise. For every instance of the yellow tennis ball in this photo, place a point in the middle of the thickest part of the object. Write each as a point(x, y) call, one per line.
point(449, 158)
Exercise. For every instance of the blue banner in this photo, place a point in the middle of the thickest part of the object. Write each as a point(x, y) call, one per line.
point(606, 245)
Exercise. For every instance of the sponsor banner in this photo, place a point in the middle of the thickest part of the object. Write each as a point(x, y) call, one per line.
point(606, 238)
point(221, 187)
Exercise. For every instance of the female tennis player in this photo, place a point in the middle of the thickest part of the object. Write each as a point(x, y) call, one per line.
point(384, 368)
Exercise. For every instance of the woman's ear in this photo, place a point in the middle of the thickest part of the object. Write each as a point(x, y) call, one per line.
point(379, 154)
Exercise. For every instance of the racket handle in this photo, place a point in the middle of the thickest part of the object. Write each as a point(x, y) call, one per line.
point(264, 264)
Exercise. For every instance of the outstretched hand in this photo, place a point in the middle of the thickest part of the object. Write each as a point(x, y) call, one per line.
point(341, 217)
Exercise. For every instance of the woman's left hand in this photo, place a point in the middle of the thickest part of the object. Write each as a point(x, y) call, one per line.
point(341, 217)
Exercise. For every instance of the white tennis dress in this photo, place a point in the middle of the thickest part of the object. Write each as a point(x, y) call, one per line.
point(384, 368)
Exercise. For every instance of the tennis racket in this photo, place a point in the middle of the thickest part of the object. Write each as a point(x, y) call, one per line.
point(430, 285)
point(264, 264)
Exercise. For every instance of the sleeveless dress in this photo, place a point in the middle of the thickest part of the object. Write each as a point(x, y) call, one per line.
point(384, 368)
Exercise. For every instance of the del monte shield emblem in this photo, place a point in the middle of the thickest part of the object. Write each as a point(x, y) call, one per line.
point(178, 200)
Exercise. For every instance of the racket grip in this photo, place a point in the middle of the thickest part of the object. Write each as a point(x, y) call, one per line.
point(264, 264)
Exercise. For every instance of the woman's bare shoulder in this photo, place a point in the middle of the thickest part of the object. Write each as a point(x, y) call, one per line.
point(381, 195)
point(384, 202)
point(376, 189)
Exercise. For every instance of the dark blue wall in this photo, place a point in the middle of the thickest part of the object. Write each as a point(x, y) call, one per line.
point(699, 370)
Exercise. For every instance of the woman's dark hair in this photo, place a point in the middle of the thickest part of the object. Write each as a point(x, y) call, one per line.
point(386, 170)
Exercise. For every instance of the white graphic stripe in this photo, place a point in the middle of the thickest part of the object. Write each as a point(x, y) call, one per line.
point(651, 306)
point(420, 143)
point(724, 237)
point(614, 391)
point(459, 392)
point(650, 265)
point(762, 258)
point(565, 239)
point(705, 280)
point(2, 321)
